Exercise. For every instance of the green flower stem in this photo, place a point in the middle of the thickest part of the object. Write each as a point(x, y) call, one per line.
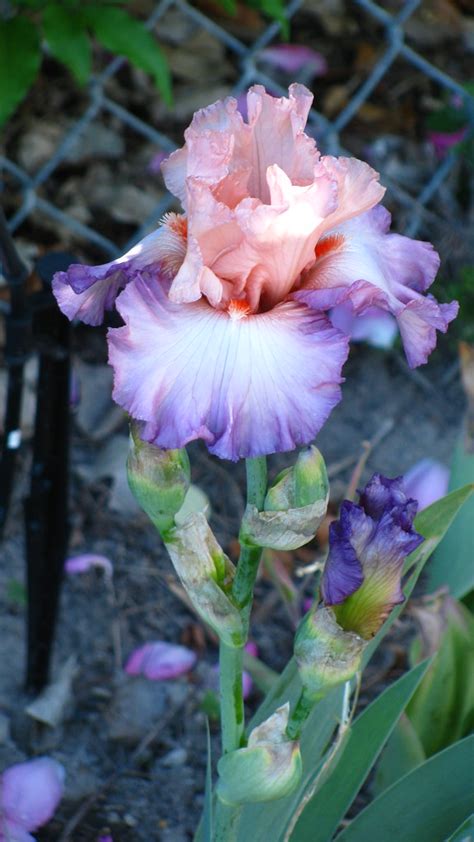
point(231, 658)
point(256, 481)
point(300, 713)
point(247, 568)
point(232, 702)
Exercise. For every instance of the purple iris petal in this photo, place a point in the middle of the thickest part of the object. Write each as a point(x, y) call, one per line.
point(381, 494)
point(343, 571)
point(367, 548)
point(85, 292)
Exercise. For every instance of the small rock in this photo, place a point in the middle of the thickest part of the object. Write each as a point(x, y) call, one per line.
point(96, 141)
point(139, 705)
point(176, 757)
point(37, 145)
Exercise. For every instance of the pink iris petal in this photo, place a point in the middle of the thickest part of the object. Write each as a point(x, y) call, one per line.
point(247, 386)
point(87, 561)
point(368, 266)
point(159, 660)
point(426, 481)
point(85, 292)
point(277, 134)
point(219, 143)
point(30, 793)
point(375, 326)
point(294, 57)
point(358, 188)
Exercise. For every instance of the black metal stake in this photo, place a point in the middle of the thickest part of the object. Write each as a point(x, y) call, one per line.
point(46, 508)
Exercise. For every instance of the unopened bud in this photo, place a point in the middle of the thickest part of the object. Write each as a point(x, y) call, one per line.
point(325, 654)
point(159, 479)
point(294, 506)
point(206, 574)
point(302, 485)
point(268, 768)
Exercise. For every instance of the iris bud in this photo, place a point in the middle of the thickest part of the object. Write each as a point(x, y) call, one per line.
point(268, 768)
point(326, 655)
point(294, 506)
point(159, 479)
point(206, 574)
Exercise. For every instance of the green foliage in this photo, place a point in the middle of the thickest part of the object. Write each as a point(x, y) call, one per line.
point(66, 27)
point(461, 288)
point(68, 40)
point(426, 805)
point(20, 58)
point(324, 812)
point(120, 33)
point(465, 833)
point(452, 564)
point(402, 753)
point(442, 709)
point(274, 9)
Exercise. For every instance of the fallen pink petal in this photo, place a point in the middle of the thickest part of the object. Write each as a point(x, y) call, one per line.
point(30, 794)
point(252, 648)
point(426, 481)
point(295, 57)
point(159, 660)
point(88, 561)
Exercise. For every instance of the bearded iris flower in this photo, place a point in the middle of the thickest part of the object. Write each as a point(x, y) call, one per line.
point(368, 545)
point(226, 335)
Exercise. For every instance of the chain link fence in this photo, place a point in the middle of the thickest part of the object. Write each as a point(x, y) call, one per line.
point(418, 207)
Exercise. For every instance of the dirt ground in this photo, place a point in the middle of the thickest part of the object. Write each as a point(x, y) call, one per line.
point(134, 750)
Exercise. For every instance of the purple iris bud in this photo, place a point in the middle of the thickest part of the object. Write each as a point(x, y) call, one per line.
point(367, 548)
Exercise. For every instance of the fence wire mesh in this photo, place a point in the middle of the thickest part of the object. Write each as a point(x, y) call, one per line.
point(418, 206)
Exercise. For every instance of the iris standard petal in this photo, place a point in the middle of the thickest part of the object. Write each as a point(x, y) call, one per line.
point(247, 385)
point(278, 137)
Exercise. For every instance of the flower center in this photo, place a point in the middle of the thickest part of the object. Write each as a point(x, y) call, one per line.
point(238, 308)
point(328, 244)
